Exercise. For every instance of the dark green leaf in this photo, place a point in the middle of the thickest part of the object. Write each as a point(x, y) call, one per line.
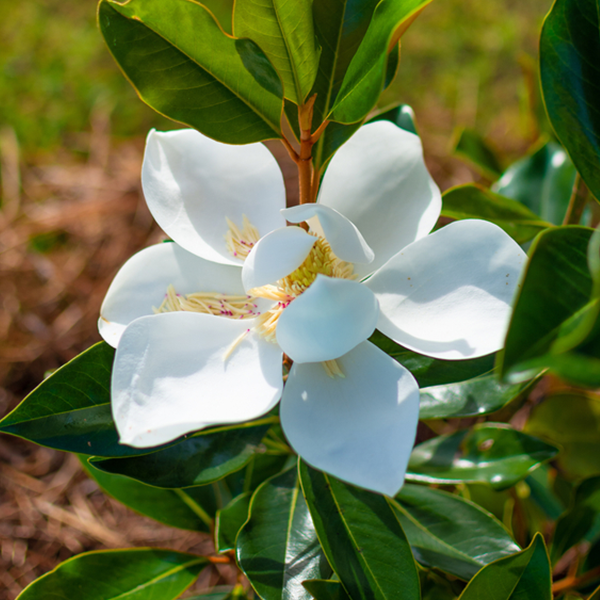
point(474, 202)
point(325, 589)
point(70, 410)
point(432, 371)
point(491, 453)
point(570, 72)
point(434, 587)
point(450, 533)
point(230, 520)
point(192, 509)
point(197, 460)
point(259, 468)
point(472, 147)
point(573, 421)
point(525, 575)
point(401, 115)
point(479, 396)
point(334, 136)
point(284, 31)
point(574, 367)
point(595, 594)
point(364, 80)
point(361, 537)
point(542, 492)
point(278, 548)
point(184, 66)
point(138, 574)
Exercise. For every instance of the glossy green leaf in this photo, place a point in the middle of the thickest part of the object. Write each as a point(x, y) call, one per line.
point(198, 460)
point(573, 421)
point(450, 533)
point(541, 181)
point(184, 66)
point(325, 589)
point(278, 547)
point(135, 574)
point(259, 468)
point(365, 77)
point(284, 31)
point(473, 148)
point(573, 367)
point(192, 509)
point(362, 538)
point(525, 575)
point(556, 285)
point(70, 410)
point(542, 493)
point(230, 520)
point(432, 371)
point(471, 398)
point(570, 73)
point(582, 518)
point(474, 202)
point(491, 453)
point(401, 115)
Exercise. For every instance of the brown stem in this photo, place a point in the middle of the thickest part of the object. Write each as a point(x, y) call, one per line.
point(576, 203)
point(569, 583)
point(218, 559)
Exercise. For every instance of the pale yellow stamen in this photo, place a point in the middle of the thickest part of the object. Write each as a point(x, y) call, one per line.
point(235, 344)
point(333, 369)
point(240, 242)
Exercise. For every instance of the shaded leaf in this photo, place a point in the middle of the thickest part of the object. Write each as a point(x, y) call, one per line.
point(491, 453)
point(472, 147)
point(260, 467)
point(230, 520)
point(184, 66)
point(362, 538)
point(402, 115)
point(325, 589)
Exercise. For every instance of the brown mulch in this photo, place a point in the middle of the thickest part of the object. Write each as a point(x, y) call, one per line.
point(66, 226)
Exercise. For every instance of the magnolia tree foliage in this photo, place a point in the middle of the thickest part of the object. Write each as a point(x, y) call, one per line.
point(263, 373)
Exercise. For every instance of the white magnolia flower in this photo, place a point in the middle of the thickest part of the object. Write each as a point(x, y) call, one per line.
point(201, 325)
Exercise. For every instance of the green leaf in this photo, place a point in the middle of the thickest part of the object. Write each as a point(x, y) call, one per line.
point(541, 181)
point(325, 589)
point(284, 31)
point(573, 421)
point(184, 66)
point(570, 73)
point(402, 115)
point(475, 397)
point(192, 509)
point(434, 587)
point(278, 548)
point(595, 594)
point(557, 283)
point(138, 574)
point(432, 371)
point(364, 80)
point(472, 147)
point(198, 460)
point(525, 575)
point(491, 453)
point(449, 533)
point(259, 468)
point(230, 520)
point(474, 202)
point(362, 538)
point(582, 518)
point(70, 410)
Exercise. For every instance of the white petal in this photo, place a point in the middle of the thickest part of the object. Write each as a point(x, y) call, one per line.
point(449, 295)
point(379, 181)
point(192, 184)
point(329, 319)
point(361, 428)
point(276, 255)
point(170, 376)
point(142, 281)
point(344, 238)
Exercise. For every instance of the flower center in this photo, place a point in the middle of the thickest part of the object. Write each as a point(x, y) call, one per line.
point(240, 241)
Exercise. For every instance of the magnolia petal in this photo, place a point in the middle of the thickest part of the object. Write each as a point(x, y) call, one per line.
point(329, 319)
point(360, 428)
point(192, 184)
point(449, 295)
point(344, 238)
point(379, 181)
point(276, 255)
point(172, 375)
point(141, 283)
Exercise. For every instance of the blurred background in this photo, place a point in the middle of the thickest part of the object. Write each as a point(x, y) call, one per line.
point(71, 212)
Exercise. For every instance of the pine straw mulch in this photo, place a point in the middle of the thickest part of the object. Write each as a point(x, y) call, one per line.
point(65, 229)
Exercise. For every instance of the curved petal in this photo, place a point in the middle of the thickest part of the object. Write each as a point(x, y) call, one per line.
point(449, 295)
point(142, 281)
point(276, 255)
point(344, 238)
point(192, 184)
point(329, 319)
point(172, 375)
point(360, 428)
point(379, 181)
